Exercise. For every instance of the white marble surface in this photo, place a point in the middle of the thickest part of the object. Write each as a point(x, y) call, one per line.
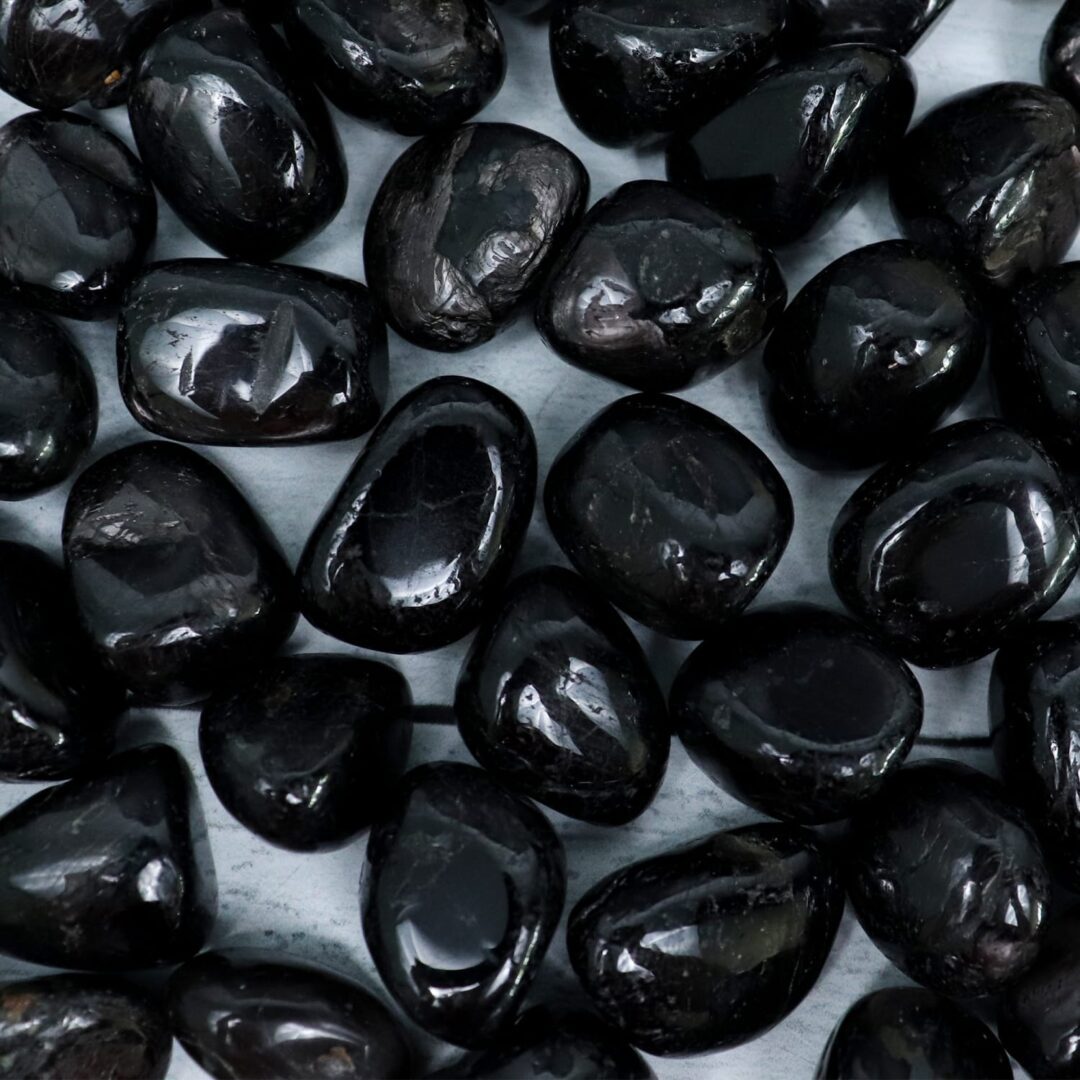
point(307, 904)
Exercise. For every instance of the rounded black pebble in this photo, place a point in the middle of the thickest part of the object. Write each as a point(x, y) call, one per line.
point(1061, 53)
point(893, 24)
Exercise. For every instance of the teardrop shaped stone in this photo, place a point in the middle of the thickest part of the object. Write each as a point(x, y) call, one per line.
point(891, 24)
point(1061, 53)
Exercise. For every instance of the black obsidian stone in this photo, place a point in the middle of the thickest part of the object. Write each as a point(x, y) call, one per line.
point(1061, 53)
point(178, 582)
point(948, 879)
point(235, 136)
point(556, 698)
point(463, 228)
point(110, 871)
point(249, 1013)
point(416, 67)
point(953, 546)
point(892, 24)
point(215, 351)
point(833, 118)
point(658, 291)
point(420, 537)
point(991, 178)
point(306, 751)
point(272, 11)
point(754, 912)
point(797, 711)
point(77, 214)
point(524, 7)
point(670, 512)
point(871, 354)
point(462, 891)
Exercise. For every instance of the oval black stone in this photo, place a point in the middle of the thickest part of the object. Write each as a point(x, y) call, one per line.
point(951, 547)
point(462, 891)
point(222, 352)
point(1061, 53)
point(892, 24)
point(463, 229)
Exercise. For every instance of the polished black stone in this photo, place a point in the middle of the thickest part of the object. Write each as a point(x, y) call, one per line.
point(629, 69)
point(712, 944)
point(110, 871)
point(236, 137)
point(307, 749)
point(416, 67)
point(420, 537)
point(524, 7)
point(464, 227)
point(77, 214)
point(670, 512)
point(871, 354)
point(892, 24)
point(250, 1013)
point(991, 178)
point(658, 291)
point(214, 351)
point(177, 580)
point(797, 711)
point(953, 546)
point(462, 891)
point(948, 879)
point(833, 119)
point(1061, 53)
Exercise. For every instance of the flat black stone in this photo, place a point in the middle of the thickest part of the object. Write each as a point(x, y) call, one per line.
point(892, 24)
point(420, 537)
point(464, 227)
point(657, 291)
point(755, 912)
point(1061, 53)
point(229, 353)
point(953, 546)
point(670, 512)
point(462, 890)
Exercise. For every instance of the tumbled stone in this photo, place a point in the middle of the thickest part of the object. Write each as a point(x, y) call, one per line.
point(1061, 53)
point(892, 24)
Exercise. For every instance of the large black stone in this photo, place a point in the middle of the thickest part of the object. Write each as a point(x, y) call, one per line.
point(892, 24)
point(1061, 53)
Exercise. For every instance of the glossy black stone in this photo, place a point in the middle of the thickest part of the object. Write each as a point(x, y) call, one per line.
point(670, 512)
point(178, 582)
point(215, 351)
point(629, 69)
point(797, 711)
point(462, 891)
point(556, 698)
point(871, 354)
point(834, 119)
point(657, 291)
point(953, 546)
point(754, 913)
point(991, 179)
point(464, 227)
point(420, 537)
point(307, 749)
point(249, 1013)
point(77, 215)
point(235, 136)
point(948, 879)
point(416, 67)
point(110, 871)
point(1061, 53)
point(892, 24)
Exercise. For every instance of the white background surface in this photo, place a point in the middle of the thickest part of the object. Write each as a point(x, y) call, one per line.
point(307, 905)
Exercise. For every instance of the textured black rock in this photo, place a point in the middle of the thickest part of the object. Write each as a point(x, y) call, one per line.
point(629, 69)
point(833, 118)
point(306, 751)
point(420, 537)
point(797, 711)
point(110, 871)
point(215, 351)
point(249, 1013)
point(892, 24)
point(657, 291)
point(991, 178)
point(754, 912)
point(556, 698)
point(671, 513)
point(77, 214)
point(871, 354)
point(462, 890)
point(178, 582)
point(1061, 53)
point(953, 546)
point(948, 879)
point(463, 229)
point(417, 67)
point(235, 136)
